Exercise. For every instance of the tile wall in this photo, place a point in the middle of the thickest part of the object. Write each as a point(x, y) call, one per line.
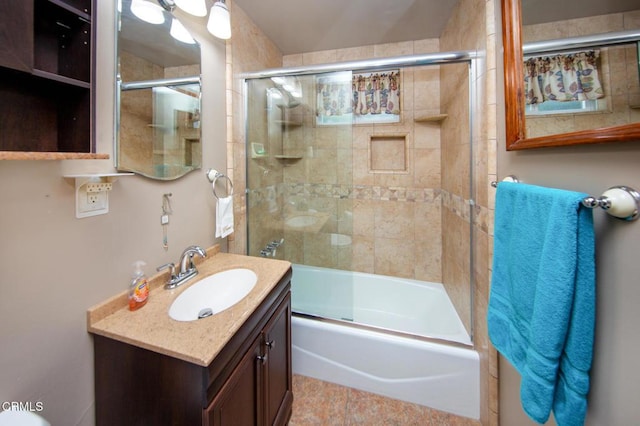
point(389, 205)
point(472, 26)
point(136, 118)
point(248, 50)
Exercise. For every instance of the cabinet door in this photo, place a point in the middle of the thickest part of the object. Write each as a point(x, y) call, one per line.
point(278, 388)
point(16, 34)
point(238, 402)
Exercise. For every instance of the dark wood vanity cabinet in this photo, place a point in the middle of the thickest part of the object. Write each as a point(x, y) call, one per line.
point(46, 67)
point(248, 383)
point(259, 389)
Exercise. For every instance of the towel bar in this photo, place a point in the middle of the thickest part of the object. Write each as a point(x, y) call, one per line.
point(621, 202)
point(213, 175)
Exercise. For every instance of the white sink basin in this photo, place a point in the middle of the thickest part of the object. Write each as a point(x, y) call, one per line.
point(213, 294)
point(301, 221)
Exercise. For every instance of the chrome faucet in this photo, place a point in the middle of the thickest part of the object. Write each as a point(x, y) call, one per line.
point(187, 268)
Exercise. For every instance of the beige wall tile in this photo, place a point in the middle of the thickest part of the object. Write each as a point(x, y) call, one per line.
point(395, 257)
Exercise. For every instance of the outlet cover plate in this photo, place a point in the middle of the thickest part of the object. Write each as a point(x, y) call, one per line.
point(92, 198)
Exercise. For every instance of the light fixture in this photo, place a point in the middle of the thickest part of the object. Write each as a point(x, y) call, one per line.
point(147, 11)
point(193, 7)
point(219, 23)
point(179, 32)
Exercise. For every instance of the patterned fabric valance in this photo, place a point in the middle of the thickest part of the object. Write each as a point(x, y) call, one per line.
point(571, 77)
point(375, 93)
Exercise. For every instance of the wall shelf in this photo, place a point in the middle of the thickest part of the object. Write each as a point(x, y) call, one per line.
point(288, 123)
point(288, 157)
point(80, 8)
point(61, 79)
point(430, 118)
point(22, 155)
point(95, 177)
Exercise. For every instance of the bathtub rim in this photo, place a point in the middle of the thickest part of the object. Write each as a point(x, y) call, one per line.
point(385, 331)
point(413, 281)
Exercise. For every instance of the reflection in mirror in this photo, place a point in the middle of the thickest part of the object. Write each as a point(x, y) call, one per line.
point(158, 94)
point(573, 85)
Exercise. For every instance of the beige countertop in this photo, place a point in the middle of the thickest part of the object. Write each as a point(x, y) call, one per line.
point(198, 342)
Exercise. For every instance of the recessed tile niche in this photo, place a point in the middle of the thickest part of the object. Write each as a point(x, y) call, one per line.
point(388, 154)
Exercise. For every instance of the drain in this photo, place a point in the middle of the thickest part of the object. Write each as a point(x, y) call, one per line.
point(206, 312)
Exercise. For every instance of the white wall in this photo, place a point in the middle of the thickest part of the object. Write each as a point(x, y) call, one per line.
point(54, 266)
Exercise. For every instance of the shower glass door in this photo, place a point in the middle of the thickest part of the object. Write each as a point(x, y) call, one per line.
point(299, 180)
point(363, 171)
point(299, 176)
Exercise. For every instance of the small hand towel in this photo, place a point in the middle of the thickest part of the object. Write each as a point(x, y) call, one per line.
point(541, 312)
point(224, 216)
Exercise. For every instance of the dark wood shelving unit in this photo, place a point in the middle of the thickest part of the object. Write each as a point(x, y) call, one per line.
point(46, 76)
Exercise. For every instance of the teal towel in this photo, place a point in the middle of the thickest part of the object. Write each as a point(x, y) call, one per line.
point(541, 311)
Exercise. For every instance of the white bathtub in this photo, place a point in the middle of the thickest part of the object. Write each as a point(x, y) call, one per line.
point(440, 376)
point(399, 304)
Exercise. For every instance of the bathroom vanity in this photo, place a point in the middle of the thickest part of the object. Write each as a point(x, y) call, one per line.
point(232, 368)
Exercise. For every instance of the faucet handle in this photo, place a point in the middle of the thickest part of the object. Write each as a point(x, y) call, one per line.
point(171, 266)
point(275, 243)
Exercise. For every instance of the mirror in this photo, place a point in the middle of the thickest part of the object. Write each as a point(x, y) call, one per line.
point(158, 111)
point(514, 12)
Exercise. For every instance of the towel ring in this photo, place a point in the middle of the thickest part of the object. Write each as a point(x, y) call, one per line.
point(213, 175)
point(621, 202)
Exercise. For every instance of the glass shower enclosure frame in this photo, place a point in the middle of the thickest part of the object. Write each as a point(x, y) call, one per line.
point(315, 180)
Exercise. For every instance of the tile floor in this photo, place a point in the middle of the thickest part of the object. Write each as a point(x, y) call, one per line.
point(318, 403)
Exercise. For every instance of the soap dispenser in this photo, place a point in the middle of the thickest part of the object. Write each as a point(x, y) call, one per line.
point(139, 287)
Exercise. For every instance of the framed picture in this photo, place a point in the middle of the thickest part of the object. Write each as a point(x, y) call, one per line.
point(358, 98)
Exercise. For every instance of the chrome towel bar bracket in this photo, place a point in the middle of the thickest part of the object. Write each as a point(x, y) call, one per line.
point(621, 202)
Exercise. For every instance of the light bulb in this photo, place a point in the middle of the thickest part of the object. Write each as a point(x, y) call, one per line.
point(219, 21)
point(193, 7)
point(179, 32)
point(147, 11)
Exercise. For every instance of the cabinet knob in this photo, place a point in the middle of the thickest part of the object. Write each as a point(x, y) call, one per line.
point(271, 344)
point(262, 358)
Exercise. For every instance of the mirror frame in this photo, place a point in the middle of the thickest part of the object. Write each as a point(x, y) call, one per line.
point(516, 138)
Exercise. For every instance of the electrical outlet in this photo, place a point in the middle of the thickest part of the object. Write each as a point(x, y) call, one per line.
point(92, 198)
point(96, 201)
